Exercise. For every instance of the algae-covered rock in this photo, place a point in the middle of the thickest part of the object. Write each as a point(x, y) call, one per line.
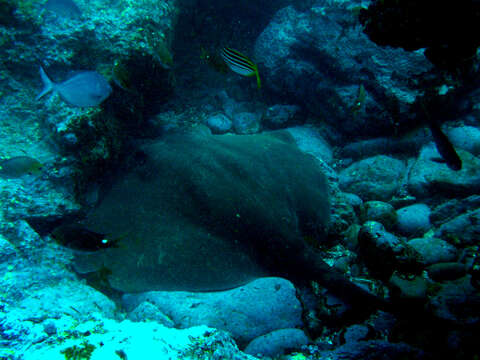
point(247, 312)
point(428, 177)
point(381, 212)
point(375, 178)
point(209, 212)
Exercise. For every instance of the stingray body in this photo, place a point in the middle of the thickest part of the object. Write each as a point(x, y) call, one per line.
point(214, 212)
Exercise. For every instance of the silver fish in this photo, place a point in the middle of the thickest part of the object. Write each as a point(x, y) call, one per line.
point(19, 166)
point(86, 88)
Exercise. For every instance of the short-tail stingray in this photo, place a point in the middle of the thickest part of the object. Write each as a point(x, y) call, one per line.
point(210, 212)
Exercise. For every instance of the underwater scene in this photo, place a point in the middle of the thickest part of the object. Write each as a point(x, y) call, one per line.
point(217, 179)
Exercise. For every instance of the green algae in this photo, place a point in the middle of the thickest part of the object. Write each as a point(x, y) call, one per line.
point(83, 352)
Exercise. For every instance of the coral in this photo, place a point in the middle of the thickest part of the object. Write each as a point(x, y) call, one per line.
point(83, 352)
point(213, 345)
point(160, 49)
point(22, 12)
point(99, 145)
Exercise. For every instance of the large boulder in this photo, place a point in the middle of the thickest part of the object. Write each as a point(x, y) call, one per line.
point(463, 229)
point(246, 312)
point(320, 58)
point(277, 343)
point(124, 40)
point(375, 178)
point(429, 177)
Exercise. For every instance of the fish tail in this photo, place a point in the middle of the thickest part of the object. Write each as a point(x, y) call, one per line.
point(48, 85)
point(259, 83)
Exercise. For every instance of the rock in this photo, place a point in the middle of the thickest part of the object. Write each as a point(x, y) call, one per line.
point(434, 250)
point(354, 200)
point(277, 343)
point(230, 106)
point(81, 302)
point(350, 240)
point(446, 271)
point(457, 301)
point(383, 322)
point(110, 339)
point(310, 141)
point(378, 247)
point(453, 208)
point(7, 252)
point(406, 145)
point(246, 123)
point(343, 217)
point(373, 349)
point(280, 116)
point(305, 54)
point(462, 230)
point(411, 289)
point(381, 212)
point(466, 138)
point(33, 264)
point(27, 201)
point(146, 311)
point(384, 253)
point(58, 35)
point(375, 178)
point(414, 219)
point(50, 328)
point(356, 333)
point(141, 50)
point(428, 177)
point(219, 124)
point(260, 307)
point(52, 310)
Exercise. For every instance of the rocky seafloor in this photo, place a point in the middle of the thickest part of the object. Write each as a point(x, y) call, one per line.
point(403, 226)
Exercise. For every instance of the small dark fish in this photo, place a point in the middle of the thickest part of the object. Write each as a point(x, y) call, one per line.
point(18, 166)
point(239, 63)
point(445, 147)
point(77, 237)
point(63, 8)
point(86, 88)
point(121, 75)
point(443, 144)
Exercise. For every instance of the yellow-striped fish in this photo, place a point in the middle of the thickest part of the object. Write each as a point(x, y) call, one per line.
point(239, 63)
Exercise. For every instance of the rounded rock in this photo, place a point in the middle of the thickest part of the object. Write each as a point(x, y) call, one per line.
point(434, 250)
point(375, 178)
point(246, 123)
point(414, 219)
point(219, 124)
point(446, 271)
point(381, 212)
point(277, 342)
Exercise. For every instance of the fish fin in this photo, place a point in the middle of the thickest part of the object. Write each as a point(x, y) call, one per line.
point(48, 85)
point(438, 160)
